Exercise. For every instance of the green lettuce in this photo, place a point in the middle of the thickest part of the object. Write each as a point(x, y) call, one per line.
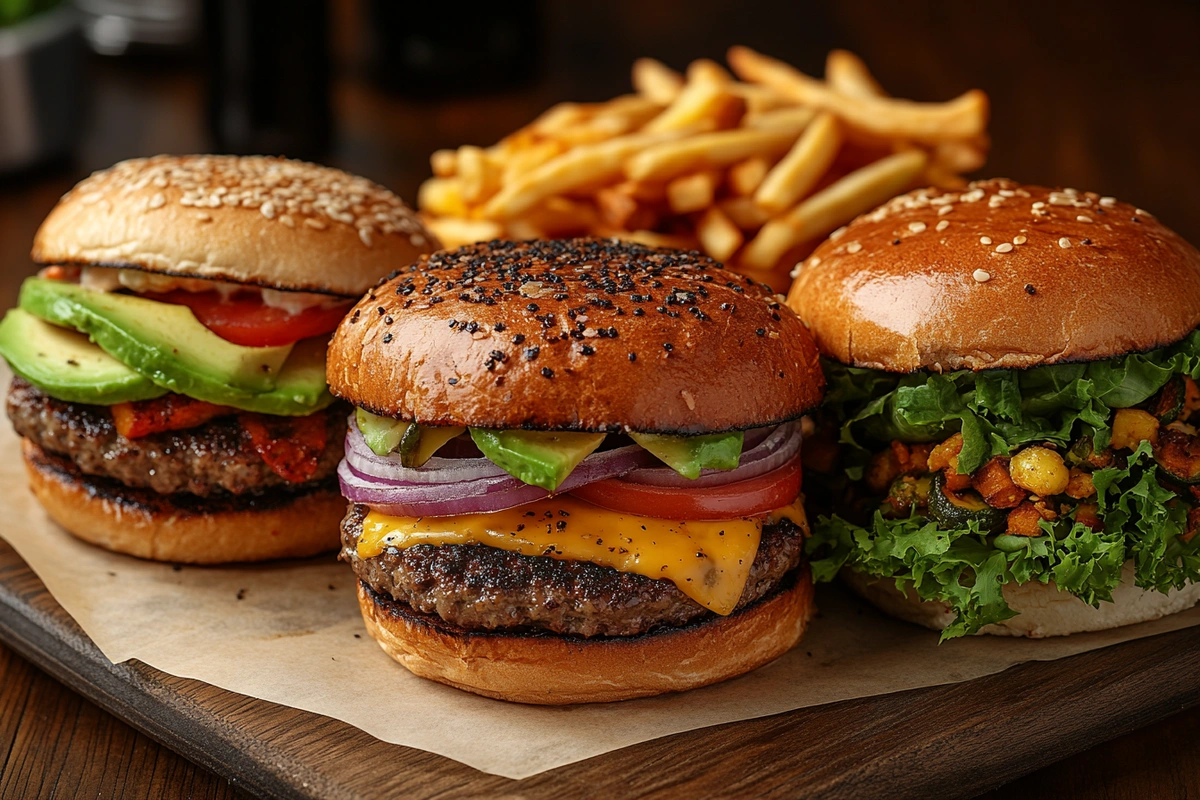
point(998, 411)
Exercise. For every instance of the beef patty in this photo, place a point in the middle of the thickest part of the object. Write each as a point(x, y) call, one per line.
point(215, 456)
point(480, 587)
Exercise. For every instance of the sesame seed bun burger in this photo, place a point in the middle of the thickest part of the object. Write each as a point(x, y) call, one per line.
point(573, 469)
point(1009, 442)
point(170, 356)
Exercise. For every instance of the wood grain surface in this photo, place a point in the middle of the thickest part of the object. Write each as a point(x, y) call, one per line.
point(1094, 95)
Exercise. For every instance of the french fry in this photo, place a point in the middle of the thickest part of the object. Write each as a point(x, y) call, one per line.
point(442, 196)
point(692, 192)
point(961, 118)
point(444, 163)
point(654, 239)
point(456, 231)
point(800, 170)
point(858, 192)
point(587, 164)
point(656, 81)
point(793, 118)
point(520, 229)
point(759, 99)
point(719, 237)
point(562, 216)
point(746, 176)
point(699, 101)
point(706, 70)
point(478, 176)
point(744, 212)
point(558, 118)
point(846, 73)
point(961, 155)
point(705, 151)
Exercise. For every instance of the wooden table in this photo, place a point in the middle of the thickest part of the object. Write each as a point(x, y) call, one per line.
point(1085, 95)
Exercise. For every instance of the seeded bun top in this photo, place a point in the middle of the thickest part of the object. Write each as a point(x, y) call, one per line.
point(998, 275)
point(261, 221)
point(580, 334)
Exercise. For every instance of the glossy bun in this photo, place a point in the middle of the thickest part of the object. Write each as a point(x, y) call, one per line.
point(998, 275)
point(558, 670)
point(581, 334)
point(262, 221)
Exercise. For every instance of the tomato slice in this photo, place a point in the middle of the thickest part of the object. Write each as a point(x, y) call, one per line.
point(244, 319)
point(747, 498)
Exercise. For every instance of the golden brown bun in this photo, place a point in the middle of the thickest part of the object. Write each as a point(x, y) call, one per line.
point(141, 523)
point(557, 670)
point(1124, 283)
point(1042, 609)
point(294, 225)
point(539, 335)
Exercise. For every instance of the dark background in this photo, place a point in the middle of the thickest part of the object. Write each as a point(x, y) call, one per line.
point(1093, 95)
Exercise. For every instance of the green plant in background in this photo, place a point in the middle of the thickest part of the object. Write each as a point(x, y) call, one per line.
point(14, 11)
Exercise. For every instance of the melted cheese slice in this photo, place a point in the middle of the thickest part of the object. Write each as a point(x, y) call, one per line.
point(708, 560)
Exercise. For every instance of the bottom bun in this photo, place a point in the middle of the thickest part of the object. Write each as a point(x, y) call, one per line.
point(547, 669)
point(1042, 610)
point(183, 528)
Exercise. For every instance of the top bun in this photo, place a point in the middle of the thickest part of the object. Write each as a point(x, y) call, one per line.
point(998, 275)
point(262, 221)
point(580, 334)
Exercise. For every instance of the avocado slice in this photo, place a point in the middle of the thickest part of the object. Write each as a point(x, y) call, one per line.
point(687, 455)
point(416, 443)
point(300, 388)
point(66, 366)
point(539, 458)
point(164, 342)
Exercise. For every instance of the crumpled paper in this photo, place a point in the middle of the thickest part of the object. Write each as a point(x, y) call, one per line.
point(291, 633)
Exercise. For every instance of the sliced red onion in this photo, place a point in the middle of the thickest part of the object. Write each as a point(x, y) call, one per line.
point(773, 448)
point(435, 471)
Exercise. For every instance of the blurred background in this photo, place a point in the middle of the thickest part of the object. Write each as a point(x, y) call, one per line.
point(1092, 95)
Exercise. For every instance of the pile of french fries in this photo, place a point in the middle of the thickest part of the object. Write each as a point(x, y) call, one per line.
point(754, 168)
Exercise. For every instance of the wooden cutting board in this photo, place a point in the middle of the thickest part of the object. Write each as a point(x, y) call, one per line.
point(949, 741)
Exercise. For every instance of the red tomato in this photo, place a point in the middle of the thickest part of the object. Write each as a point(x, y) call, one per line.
point(746, 498)
point(244, 319)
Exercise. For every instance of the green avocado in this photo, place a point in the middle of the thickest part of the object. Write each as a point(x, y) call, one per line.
point(300, 388)
point(162, 341)
point(687, 455)
point(415, 443)
point(66, 366)
point(539, 458)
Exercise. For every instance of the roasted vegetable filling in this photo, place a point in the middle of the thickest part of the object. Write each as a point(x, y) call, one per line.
point(955, 484)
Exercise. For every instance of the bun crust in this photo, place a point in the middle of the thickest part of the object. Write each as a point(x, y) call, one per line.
point(1042, 609)
point(256, 220)
point(896, 289)
point(540, 335)
point(555, 670)
point(142, 523)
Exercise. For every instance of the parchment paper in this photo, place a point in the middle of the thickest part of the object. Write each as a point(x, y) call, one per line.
point(285, 632)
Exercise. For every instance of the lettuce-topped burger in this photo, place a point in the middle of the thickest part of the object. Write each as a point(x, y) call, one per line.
point(170, 356)
point(574, 469)
point(1009, 443)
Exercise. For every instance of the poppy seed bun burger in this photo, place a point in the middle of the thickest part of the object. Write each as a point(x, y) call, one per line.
point(170, 357)
point(1009, 441)
point(574, 469)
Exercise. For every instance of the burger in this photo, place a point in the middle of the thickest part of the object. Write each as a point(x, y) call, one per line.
point(170, 357)
point(573, 469)
point(1009, 444)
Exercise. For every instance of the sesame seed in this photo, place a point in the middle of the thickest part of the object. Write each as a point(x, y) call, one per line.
point(895, 241)
point(1019, 240)
point(315, 224)
point(1029, 289)
point(853, 247)
point(1038, 205)
point(1143, 212)
point(287, 220)
point(916, 227)
point(633, 356)
point(944, 210)
point(941, 226)
point(157, 201)
point(387, 337)
point(365, 235)
point(1083, 218)
point(981, 276)
point(761, 331)
point(1004, 247)
point(1108, 202)
point(1064, 243)
point(547, 372)
point(985, 240)
point(689, 399)
point(268, 209)
point(1085, 241)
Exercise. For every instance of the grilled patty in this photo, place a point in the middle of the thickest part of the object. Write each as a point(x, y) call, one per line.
point(212, 457)
point(483, 588)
